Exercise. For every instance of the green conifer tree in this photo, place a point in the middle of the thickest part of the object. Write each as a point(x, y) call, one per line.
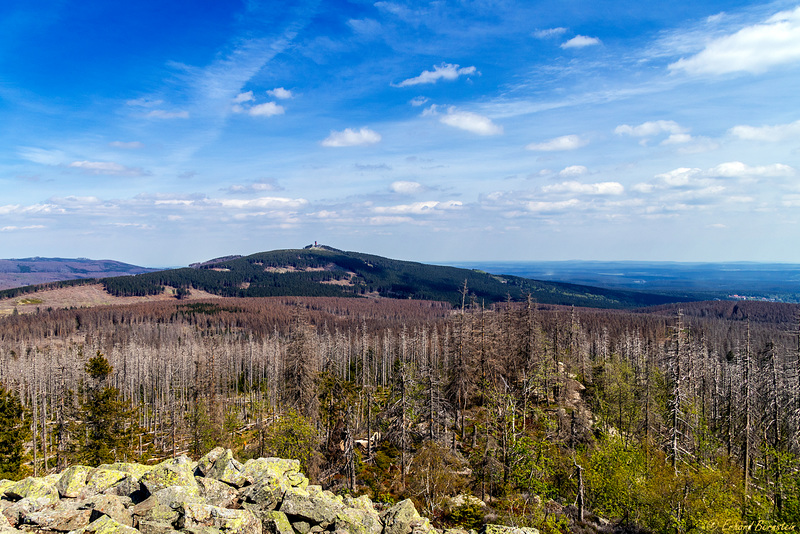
point(13, 434)
point(110, 423)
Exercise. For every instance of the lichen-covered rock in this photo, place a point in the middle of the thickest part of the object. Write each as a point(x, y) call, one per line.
point(274, 522)
point(217, 493)
point(502, 529)
point(33, 488)
point(317, 506)
point(227, 469)
point(5, 484)
point(105, 525)
point(73, 480)
point(266, 493)
point(205, 463)
point(358, 521)
point(403, 518)
point(100, 480)
point(176, 472)
point(280, 468)
point(109, 505)
point(154, 527)
point(137, 470)
point(224, 519)
point(61, 519)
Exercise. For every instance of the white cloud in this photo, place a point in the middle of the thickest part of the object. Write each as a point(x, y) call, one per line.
point(18, 228)
point(263, 202)
point(254, 187)
point(406, 188)
point(418, 101)
point(163, 114)
point(131, 145)
point(552, 207)
point(565, 142)
point(769, 134)
point(106, 167)
point(650, 129)
point(600, 188)
point(280, 93)
point(244, 97)
point(41, 155)
point(677, 139)
point(445, 71)
point(419, 208)
point(349, 137)
point(680, 177)
point(753, 49)
point(471, 122)
point(580, 41)
point(737, 169)
point(573, 170)
point(268, 109)
point(549, 32)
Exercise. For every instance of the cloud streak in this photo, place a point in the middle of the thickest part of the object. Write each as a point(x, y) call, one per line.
point(445, 71)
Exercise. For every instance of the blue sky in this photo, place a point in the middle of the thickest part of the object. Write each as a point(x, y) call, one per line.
point(163, 133)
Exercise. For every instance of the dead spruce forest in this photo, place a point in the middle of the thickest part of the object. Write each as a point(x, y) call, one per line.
point(678, 418)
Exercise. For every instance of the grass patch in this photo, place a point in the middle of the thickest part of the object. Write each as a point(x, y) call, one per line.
point(23, 302)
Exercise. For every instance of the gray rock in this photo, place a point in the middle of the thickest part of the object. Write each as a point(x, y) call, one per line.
point(224, 519)
point(109, 505)
point(217, 493)
point(176, 472)
point(502, 529)
point(273, 522)
point(403, 518)
point(105, 525)
point(315, 506)
point(60, 519)
point(32, 488)
point(73, 480)
point(154, 527)
point(205, 463)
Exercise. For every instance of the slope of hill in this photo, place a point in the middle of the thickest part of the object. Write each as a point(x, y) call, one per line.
point(31, 271)
point(324, 271)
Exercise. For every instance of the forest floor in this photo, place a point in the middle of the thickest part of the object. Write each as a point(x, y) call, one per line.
point(83, 297)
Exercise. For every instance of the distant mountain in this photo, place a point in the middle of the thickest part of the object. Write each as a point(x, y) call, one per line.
point(320, 270)
point(33, 271)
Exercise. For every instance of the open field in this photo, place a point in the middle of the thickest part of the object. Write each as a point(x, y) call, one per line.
point(83, 297)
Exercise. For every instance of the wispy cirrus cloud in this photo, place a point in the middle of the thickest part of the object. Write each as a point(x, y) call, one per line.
point(106, 167)
point(164, 114)
point(445, 71)
point(129, 145)
point(754, 49)
point(350, 137)
point(22, 228)
point(549, 32)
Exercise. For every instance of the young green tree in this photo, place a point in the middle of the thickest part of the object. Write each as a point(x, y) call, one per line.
point(13, 434)
point(110, 423)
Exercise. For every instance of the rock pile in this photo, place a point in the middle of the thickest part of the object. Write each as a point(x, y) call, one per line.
point(215, 495)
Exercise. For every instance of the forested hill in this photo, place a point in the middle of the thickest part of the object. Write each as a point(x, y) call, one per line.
point(323, 271)
point(31, 271)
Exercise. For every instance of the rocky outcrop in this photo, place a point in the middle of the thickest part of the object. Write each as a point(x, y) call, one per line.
point(215, 495)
